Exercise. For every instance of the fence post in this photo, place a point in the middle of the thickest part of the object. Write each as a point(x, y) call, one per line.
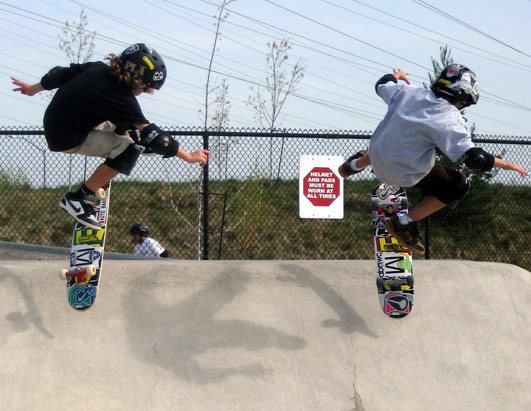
point(280, 160)
point(205, 201)
point(222, 224)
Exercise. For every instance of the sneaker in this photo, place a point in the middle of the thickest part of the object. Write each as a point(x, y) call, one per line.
point(407, 234)
point(345, 170)
point(81, 207)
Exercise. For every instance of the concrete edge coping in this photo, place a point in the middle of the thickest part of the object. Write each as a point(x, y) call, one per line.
point(34, 248)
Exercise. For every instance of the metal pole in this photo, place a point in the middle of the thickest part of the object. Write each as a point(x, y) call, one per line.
point(280, 160)
point(222, 224)
point(205, 201)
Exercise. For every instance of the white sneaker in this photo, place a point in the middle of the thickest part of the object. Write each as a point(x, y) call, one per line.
point(81, 207)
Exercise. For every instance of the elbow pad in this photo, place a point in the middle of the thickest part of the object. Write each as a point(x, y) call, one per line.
point(52, 79)
point(385, 79)
point(155, 140)
point(478, 159)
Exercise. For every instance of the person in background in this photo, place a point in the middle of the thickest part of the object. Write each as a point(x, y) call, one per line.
point(144, 245)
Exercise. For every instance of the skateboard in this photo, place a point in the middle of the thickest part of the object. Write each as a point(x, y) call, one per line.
point(394, 263)
point(86, 256)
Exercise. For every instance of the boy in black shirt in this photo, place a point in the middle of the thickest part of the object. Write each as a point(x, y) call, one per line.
point(93, 109)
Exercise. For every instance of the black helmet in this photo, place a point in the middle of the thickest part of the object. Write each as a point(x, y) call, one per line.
point(458, 81)
point(141, 229)
point(141, 59)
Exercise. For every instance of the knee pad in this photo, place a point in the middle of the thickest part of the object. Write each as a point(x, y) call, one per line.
point(124, 162)
point(459, 193)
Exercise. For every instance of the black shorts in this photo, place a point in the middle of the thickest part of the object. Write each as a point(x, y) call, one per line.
point(444, 183)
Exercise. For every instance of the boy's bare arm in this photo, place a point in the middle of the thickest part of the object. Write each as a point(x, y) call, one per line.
point(26, 88)
point(505, 165)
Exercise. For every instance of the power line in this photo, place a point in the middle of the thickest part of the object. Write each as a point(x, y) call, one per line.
point(402, 29)
point(303, 37)
point(432, 31)
point(345, 34)
point(239, 42)
point(468, 26)
point(516, 105)
point(245, 77)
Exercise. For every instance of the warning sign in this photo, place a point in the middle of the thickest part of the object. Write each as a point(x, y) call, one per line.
point(320, 187)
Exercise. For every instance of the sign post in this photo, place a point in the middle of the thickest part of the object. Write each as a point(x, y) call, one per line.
point(320, 187)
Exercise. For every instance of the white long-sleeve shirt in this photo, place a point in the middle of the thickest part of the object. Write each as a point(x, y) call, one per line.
point(149, 248)
point(402, 148)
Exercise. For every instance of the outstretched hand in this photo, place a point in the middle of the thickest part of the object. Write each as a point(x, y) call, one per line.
point(401, 75)
point(199, 156)
point(26, 88)
point(521, 170)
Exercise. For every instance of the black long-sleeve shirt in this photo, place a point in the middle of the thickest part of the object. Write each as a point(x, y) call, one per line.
point(87, 96)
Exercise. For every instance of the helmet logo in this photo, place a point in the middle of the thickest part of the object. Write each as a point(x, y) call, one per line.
point(159, 75)
point(132, 67)
point(132, 49)
point(148, 62)
point(466, 79)
point(453, 70)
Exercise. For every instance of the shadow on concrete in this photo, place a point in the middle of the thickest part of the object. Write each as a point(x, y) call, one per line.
point(22, 322)
point(349, 320)
point(177, 335)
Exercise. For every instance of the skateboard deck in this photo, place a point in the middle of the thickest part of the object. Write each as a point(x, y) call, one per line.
point(394, 263)
point(86, 256)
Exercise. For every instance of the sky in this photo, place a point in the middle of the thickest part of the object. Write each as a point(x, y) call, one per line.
point(345, 46)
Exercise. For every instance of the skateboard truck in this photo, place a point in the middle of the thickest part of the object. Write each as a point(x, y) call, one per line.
point(396, 283)
point(81, 273)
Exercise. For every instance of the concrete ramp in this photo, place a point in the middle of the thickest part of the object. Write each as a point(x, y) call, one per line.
point(265, 335)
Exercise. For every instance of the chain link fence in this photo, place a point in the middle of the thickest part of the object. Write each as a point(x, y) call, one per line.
point(248, 200)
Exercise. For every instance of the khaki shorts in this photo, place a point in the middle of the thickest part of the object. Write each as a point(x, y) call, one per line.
point(445, 183)
point(102, 142)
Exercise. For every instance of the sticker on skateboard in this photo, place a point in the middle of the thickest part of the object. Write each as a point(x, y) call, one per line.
point(394, 262)
point(86, 256)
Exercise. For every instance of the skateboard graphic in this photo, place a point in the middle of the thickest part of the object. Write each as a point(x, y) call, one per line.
point(394, 263)
point(86, 256)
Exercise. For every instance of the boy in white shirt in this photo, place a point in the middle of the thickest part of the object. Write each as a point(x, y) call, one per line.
point(144, 245)
point(402, 148)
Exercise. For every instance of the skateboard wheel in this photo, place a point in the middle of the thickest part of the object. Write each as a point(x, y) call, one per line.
point(62, 274)
point(410, 281)
point(100, 194)
point(91, 270)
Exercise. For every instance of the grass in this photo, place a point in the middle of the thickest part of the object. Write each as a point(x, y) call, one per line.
point(493, 223)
